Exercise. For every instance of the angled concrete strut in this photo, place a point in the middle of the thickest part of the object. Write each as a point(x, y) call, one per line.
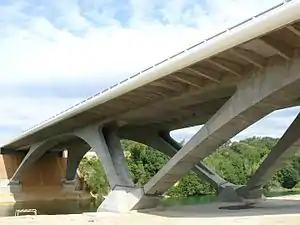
point(288, 145)
point(163, 142)
point(265, 91)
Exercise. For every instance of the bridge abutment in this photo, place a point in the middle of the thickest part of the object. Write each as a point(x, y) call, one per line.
point(42, 181)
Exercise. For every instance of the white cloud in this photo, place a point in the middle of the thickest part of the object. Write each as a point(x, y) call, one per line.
point(20, 113)
point(103, 41)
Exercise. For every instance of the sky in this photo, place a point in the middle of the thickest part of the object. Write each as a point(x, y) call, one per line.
point(56, 53)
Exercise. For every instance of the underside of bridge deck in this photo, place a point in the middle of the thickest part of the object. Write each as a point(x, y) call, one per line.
point(188, 94)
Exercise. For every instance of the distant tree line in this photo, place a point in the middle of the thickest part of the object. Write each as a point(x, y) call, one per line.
point(235, 161)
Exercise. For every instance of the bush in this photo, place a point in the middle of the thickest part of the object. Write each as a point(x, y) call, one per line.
point(190, 185)
point(289, 177)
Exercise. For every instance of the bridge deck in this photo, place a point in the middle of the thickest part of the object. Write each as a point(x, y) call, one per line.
point(189, 87)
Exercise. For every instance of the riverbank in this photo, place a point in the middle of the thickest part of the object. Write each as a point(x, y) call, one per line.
point(276, 210)
point(43, 196)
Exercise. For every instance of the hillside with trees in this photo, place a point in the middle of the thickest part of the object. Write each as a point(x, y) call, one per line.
point(235, 161)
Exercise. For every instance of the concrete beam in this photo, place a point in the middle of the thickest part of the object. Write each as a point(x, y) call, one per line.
point(250, 57)
point(288, 145)
point(266, 90)
point(198, 72)
point(294, 30)
point(186, 80)
point(282, 49)
point(227, 65)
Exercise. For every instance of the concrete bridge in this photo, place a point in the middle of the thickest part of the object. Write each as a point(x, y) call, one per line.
point(225, 83)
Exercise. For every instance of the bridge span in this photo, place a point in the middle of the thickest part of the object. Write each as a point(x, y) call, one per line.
point(226, 82)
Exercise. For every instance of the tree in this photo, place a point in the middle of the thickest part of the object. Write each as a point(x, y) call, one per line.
point(143, 162)
point(235, 161)
point(289, 177)
point(94, 176)
point(190, 185)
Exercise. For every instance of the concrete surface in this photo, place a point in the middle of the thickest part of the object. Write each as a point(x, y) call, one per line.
point(282, 210)
point(124, 199)
point(42, 181)
point(265, 91)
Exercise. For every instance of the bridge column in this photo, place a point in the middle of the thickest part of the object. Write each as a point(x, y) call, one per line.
point(163, 142)
point(76, 152)
point(266, 90)
point(106, 143)
point(288, 145)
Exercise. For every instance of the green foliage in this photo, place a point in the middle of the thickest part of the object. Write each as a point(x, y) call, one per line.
point(94, 176)
point(238, 161)
point(143, 161)
point(289, 177)
point(190, 185)
point(235, 161)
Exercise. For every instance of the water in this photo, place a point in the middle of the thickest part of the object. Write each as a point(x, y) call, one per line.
point(211, 198)
point(75, 206)
point(281, 193)
point(189, 201)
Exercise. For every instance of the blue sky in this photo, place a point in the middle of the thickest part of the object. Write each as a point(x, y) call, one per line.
point(56, 53)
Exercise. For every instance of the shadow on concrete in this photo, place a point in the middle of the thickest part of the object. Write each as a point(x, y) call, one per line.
point(216, 209)
point(42, 181)
point(8, 166)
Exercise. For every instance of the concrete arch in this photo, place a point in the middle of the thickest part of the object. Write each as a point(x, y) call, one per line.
point(104, 141)
point(37, 150)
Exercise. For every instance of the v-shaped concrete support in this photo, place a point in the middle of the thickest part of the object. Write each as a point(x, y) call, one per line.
point(163, 142)
point(266, 90)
